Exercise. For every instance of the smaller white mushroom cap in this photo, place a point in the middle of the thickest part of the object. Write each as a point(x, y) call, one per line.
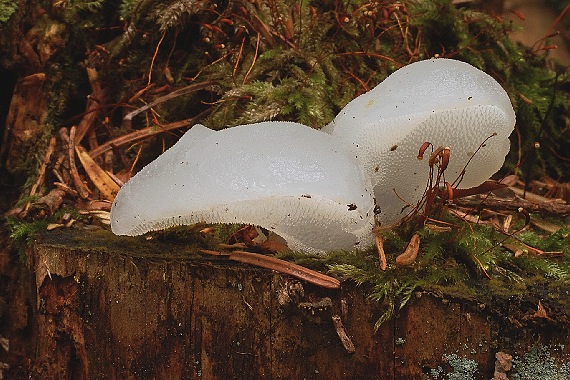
point(446, 102)
point(286, 177)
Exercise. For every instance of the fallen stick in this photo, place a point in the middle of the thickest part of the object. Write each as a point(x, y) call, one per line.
point(341, 332)
point(552, 207)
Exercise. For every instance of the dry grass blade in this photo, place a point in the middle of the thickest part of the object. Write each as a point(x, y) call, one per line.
point(546, 226)
point(380, 248)
point(79, 185)
point(213, 253)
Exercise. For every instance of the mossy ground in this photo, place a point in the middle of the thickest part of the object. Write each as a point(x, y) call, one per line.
point(488, 277)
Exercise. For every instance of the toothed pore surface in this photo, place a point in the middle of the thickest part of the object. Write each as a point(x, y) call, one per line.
point(446, 102)
point(285, 177)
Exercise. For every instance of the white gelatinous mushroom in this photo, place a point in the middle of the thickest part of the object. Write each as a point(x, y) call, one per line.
point(317, 189)
point(446, 102)
point(288, 178)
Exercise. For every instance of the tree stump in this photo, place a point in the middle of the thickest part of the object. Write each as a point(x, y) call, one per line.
point(127, 308)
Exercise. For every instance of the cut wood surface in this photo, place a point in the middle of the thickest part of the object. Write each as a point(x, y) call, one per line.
point(124, 308)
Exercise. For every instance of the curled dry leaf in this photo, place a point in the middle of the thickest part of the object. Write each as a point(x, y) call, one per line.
point(48, 204)
point(541, 313)
point(411, 253)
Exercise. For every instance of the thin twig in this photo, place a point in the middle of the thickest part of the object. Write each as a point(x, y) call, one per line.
point(380, 247)
point(154, 57)
point(182, 91)
point(93, 106)
point(254, 59)
point(42, 171)
point(144, 133)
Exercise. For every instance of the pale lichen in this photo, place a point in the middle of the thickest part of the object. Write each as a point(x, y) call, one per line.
point(539, 363)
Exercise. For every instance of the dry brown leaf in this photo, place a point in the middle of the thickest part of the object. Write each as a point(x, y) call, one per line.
point(546, 226)
point(98, 176)
point(411, 253)
point(515, 249)
point(541, 313)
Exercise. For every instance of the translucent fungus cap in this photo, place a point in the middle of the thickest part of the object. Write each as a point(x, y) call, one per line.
point(446, 102)
point(285, 177)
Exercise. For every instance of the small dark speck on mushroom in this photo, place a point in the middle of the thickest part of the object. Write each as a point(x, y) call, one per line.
point(469, 98)
point(393, 148)
point(377, 168)
point(352, 207)
point(306, 196)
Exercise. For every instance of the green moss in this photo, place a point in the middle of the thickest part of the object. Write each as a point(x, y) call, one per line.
point(7, 9)
point(467, 263)
point(24, 233)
